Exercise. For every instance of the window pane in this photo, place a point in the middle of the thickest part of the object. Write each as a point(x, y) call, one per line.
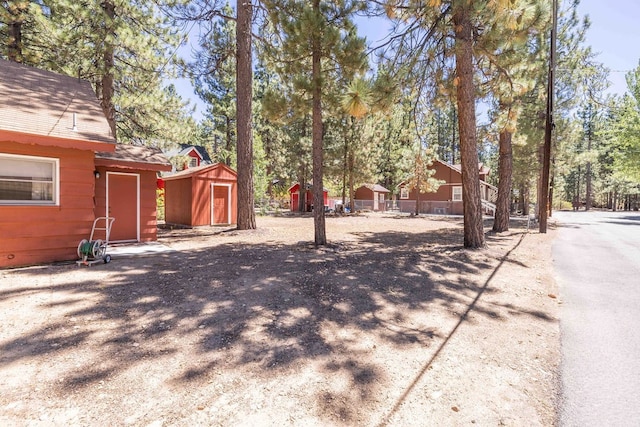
point(29, 169)
point(25, 180)
point(14, 190)
point(457, 194)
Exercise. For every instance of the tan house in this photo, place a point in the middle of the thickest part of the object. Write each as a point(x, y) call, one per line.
point(52, 185)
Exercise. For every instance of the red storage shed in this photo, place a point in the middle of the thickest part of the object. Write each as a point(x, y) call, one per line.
point(202, 195)
point(294, 197)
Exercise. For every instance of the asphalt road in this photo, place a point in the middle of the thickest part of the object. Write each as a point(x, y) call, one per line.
point(597, 264)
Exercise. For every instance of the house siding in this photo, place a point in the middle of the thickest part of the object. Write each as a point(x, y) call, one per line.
point(40, 234)
point(148, 205)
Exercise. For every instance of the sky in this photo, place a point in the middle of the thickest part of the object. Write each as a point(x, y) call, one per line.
point(614, 35)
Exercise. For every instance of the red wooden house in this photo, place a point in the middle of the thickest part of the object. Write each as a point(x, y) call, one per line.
point(370, 197)
point(448, 198)
point(51, 127)
point(194, 155)
point(295, 194)
point(203, 195)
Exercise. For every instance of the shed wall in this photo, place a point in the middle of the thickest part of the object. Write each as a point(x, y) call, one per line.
point(177, 203)
point(148, 206)
point(41, 234)
point(201, 197)
point(363, 193)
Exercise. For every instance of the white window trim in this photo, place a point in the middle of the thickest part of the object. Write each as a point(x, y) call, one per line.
point(217, 184)
point(107, 201)
point(55, 162)
point(404, 193)
point(455, 195)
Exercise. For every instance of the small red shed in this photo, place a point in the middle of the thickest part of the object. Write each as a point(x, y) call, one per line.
point(294, 197)
point(202, 195)
point(126, 182)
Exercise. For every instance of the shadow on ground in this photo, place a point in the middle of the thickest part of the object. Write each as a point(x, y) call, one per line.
point(268, 306)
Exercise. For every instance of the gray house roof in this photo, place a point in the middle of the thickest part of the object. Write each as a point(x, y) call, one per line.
point(136, 157)
point(186, 148)
point(43, 103)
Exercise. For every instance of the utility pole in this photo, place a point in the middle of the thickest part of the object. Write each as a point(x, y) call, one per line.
point(548, 129)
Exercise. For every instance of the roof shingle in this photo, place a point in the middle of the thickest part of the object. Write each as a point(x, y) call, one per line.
point(43, 103)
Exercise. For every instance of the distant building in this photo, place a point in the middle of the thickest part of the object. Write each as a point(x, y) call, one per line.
point(370, 197)
point(448, 198)
point(197, 156)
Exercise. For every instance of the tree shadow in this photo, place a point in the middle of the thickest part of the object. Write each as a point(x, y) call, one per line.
point(266, 308)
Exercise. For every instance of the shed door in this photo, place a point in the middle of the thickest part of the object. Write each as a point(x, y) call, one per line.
point(123, 190)
point(220, 204)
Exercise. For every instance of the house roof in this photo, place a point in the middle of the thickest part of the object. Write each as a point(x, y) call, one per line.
point(45, 104)
point(309, 186)
point(197, 170)
point(134, 157)
point(482, 169)
point(376, 187)
point(186, 148)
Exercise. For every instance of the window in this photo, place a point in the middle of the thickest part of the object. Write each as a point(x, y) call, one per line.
point(26, 180)
point(193, 162)
point(457, 194)
point(404, 193)
point(381, 198)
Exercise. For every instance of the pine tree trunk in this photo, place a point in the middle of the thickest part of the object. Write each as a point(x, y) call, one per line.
point(107, 81)
point(244, 147)
point(352, 202)
point(505, 169)
point(229, 138)
point(472, 204)
point(345, 172)
point(14, 45)
point(316, 135)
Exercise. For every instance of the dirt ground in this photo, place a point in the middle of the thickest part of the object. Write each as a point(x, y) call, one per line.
point(392, 324)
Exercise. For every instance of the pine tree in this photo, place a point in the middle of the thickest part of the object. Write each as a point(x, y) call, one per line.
point(126, 49)
point(14, 16)
point(316, 41)
point(214, 78)
point(244, 88)
point(509, 63)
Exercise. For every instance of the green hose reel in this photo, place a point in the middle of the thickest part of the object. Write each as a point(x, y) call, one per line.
point(91, 249)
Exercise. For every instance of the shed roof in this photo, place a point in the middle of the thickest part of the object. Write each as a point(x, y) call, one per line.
point(134, 157)
point(197, 170)
point(308, 185)
point(376, 187)
point(43, 103)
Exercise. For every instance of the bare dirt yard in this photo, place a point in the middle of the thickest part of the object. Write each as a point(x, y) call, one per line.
point(392, 324)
